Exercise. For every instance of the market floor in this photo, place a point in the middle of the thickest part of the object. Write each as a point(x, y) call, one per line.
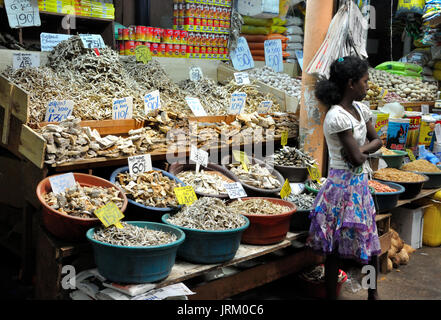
point(420, 279)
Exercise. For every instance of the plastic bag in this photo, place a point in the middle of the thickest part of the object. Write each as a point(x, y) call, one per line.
point(260, 22)
point(293, 21)
point(283, 8)
point(294, 46)
point(295, 38)
point(247, 29)
point(400, 66)
point(410, 6)
point(394, 109)
point(424, 154)
point(291, 30)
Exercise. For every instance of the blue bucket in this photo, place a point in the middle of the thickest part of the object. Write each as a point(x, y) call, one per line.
point(209, 246)
point(139, 211)
point(136, 264)
point(387, 200)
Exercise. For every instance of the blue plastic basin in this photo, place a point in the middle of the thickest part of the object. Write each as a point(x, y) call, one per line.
point(387, 200)
point(209, 246)
point(136, 264)
point(139, 211)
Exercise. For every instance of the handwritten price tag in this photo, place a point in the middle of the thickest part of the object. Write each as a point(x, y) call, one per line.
point(237, 102)
point(195, 74)
point(438, 132)
point(235, 190)
point(139, 164)
point(62, 182)
point(92, 41)
point(273, 54)
point(241, 57)
point(198, 156)
point(314, 173)
point(143, 54)
point(241, 78)
point(152, 101)
point(58, 110)
point(286, 190)
point(185, 195)
point(25, 60)
point(284, 140)
point(49, 41)
point(242, 158)
point(425, 108)
point(110, 215)
point(122, 108)
point(264, 107)
point(411, 155)
point(196, 107)
point(22, 13)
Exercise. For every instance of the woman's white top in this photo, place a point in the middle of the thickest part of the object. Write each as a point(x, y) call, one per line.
point(337, 120)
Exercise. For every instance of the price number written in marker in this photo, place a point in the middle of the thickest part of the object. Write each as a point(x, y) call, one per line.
point(22, 13)
point(241, 78)
point(242, 158)
point(314, 173)
point(61, 182)
point(411, 155)
point(264, 107)
point(273, 54)
point(122, 108)
point(235, 190)
point(237, 102)
point(109, 215)
point(196, 106)
point(58, 110)
point(25, 60)
point(139, 164)
point(92, 41)
point(152, 101)
point(200, 157)
point(241, 57)
point(143, 54)
point(286, 190)
point(284, 140)
point(185, 195)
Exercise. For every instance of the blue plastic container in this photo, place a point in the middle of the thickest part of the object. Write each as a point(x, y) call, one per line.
point(203, 246)
point(387, 200)
point(136, 264)
point(138, 211)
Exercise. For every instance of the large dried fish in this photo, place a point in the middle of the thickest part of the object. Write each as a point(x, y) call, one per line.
point(257, 176)
point(208, 182)
point(291, 157)
point(258, 206)
point(303, 201)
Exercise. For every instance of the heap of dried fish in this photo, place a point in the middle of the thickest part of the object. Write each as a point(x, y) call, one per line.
point(152, 188)
point(396, 175)
point(133, 236)
point(257, 176)
point(258, 206)
point(292, 157)
point(208, 182)
point(208, 213)
point(303, 201)
point(83, 201)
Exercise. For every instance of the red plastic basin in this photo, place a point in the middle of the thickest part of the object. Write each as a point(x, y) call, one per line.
point(268, 229)
point(67, 227)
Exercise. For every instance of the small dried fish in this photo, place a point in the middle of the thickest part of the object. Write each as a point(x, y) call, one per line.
point(303, 201)
point(208, 213)
point(291, 157)
point(258, 206)
point(208, 182)
point(133, 236)
point(151, 188)
point(257, 176)
point(83, 201)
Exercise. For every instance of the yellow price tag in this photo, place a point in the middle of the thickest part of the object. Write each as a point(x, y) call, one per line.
point(411, 155)
point(242, 157)
point(143, 54)
point(110, 214)
point(284, 140)
point(314, 173)
point(286, 190)
point(185, 195)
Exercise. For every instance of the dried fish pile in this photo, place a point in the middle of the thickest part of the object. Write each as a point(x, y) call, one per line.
point(291, 157)
point(208, 214)
point(208, 182)
point(152, 188)
point(396, 175)
point(258, 206)
point(387, 152)
point(421, 165)
point(83, 201)
point(315, 185)
point(257, 176)
point(133, 236)
point(303, 201)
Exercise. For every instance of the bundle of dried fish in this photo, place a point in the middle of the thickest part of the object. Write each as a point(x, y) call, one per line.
point(257, 176)
point(208, 214)
point(152, 188)
point(235, 30)
point(208, 182)
point(286, 122)
point(258, 206)
point(83, 201)
point(133, 236)
point(291, 157)
point(303, 201)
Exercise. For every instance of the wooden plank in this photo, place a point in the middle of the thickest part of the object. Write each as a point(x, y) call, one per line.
point(5, 102)
point(20, 103)
point(424, 193)
point(32, 146)
point(385, 242)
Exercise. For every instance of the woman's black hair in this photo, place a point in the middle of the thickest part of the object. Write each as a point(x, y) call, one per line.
point(330, 92)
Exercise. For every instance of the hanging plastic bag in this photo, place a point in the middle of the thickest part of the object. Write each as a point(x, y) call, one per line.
point(410, 6)
point(424, 154)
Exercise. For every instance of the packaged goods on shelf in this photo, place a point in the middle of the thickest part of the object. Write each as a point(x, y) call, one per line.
point(98, 9)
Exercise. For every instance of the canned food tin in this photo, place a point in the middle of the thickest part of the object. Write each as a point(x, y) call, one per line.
point(126, 34)
point(176, 50)
point(154, 48)
point(129, 47)
point(132, 34)
point(167, 36)
point(121, 48)
point(157, 34)
point(149, 35)
point(184, 36)
point(183, 50)
point(120, 34)
point(169, 50)
point(177, 36)
point(162, 50)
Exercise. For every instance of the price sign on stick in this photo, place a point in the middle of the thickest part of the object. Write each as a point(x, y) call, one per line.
point(152, 101)
point(143, 54)
point(61, 182)
point(22, 13)
point(109, 215)
point(185, 195)
point(241, 78)
point(264, 107)
point(122, 108)
point(241, 57)
point(196, 107)
point(314, 173)
point(284, 140)
point(273, 54)
point(195, 74)
point(25, 60)
point(49, 41)
point(411, 155)
point(237, 102)
point(242, 158)
point(139, 164)
point(92, 41)
point(235, 190)
point(199, 156)
point(286, 190)
point(438, 132)
point(57, 111)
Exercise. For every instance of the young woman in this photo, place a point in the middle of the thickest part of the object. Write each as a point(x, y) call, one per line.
point(343, 219)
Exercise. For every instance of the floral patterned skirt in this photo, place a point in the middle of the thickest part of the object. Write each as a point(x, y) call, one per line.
point(343, 218)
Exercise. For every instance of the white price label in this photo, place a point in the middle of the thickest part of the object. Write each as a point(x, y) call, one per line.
point(139, 164)
point(25, 60)
point(195, 74)
point(237, 102)
point(273, 54)
point(58, 110)
point(196, 107)
point(425, 108)
point(241, 57)
point(152, 101)
point(382, 164)
point(122, 108)
point(241, 78)
point(235, 190)
point(92, 41)
point(23, 13)
point(62, 182)
point(199, 156)
point(438, 132)
point(49, 41)
point(264, 107)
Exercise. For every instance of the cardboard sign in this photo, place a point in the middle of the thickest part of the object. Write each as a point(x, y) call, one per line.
point(241, 78)
point(139, 164)
point(196, 107)
point(109, 215)
point(235, 190)
point(314, 173)
point(49, 41)
point(286, 190)
point(143, 54)
point(152, 101)
point(237, 102)
point(122, 108)
point(195, 74)
point(264, 107)
point(273, 54)
point(23, 13)
point(241, 57)
point(57, 111)
point(185, 195)
point(25, 60)
point(284, 140)
point(242, 158)
point(62, 182)
point(199, 156)
point(92, 41)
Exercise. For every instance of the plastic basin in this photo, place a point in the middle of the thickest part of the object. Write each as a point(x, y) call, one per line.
point(293, 174)
point(434, 179)
point(412, 189)
point(68, 227)
point(317, 289)
point(207, 247)
point(136, 264)
point(140, 211)
point(395, 161)
point(265, 228)
point(176, 168)
point(311, 190)
point(387, 200)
